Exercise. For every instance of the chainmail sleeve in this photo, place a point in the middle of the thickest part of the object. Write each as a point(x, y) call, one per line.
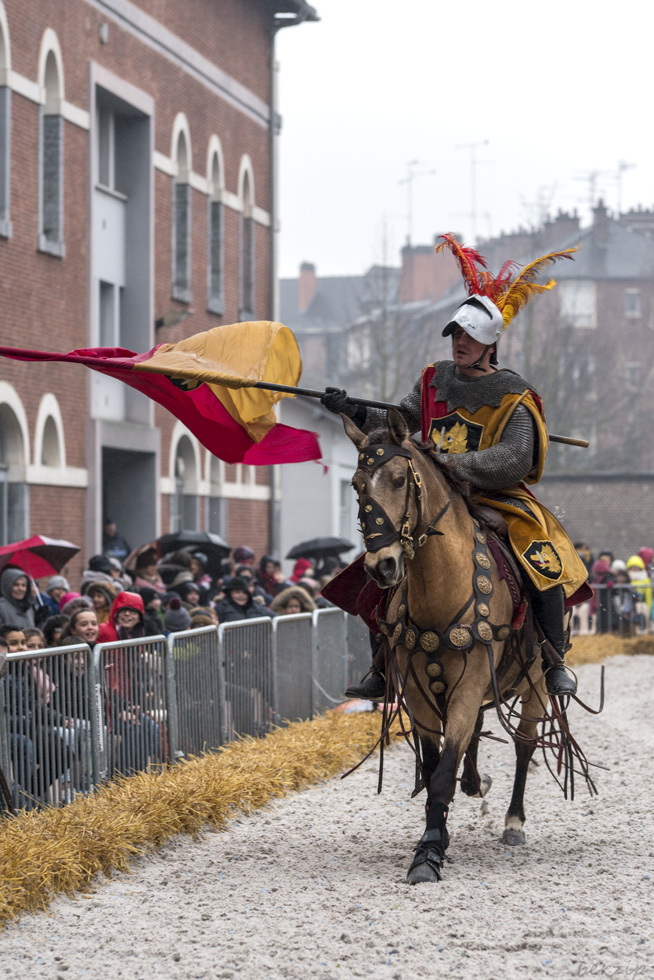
point(377, 418)
point(504, 464)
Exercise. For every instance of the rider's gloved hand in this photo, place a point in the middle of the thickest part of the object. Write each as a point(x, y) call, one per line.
point(336, 400)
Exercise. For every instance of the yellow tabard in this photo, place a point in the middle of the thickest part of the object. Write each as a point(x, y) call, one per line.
point(538, 541)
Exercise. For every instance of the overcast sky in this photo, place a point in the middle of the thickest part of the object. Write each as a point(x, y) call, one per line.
point(558, 90)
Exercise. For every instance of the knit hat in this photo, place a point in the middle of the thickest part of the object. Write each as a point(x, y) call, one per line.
point(618, 566)
point(236, 585)
point(74, 601)
point(148, 595)
point(57, 582)
point(176, 617)
point(646, 554)
point(67, 598)
point(100, 563)
point(243, 553)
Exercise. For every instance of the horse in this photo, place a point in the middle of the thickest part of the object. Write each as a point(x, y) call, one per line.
point(453, 644)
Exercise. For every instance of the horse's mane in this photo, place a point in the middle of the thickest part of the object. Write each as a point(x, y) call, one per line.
point(382, 437)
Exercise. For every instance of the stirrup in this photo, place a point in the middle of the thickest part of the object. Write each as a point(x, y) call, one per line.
point(372, 688)
point(558, 681)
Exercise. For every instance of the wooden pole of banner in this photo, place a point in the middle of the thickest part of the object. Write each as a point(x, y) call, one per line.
point(370, 403)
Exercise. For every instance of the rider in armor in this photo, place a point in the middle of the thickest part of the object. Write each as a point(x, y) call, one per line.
point(489, 424)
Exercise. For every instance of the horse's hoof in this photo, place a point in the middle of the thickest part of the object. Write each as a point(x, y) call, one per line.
point(513, 837)
point(485, 784)
point(422, 872)
point(427, 864)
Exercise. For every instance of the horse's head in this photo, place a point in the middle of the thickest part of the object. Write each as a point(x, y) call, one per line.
point(389, 487)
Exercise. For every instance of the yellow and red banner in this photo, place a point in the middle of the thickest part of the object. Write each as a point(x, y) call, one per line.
point(204, 382)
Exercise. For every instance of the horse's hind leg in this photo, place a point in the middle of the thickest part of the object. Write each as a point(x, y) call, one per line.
point(472, 784)
point(524, 750)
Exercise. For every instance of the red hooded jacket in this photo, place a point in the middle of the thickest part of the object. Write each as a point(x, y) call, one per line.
point(124, 600)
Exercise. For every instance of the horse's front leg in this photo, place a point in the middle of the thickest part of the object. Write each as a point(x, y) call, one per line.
point(461, 718)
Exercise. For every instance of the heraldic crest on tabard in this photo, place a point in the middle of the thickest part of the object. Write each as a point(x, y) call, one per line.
point(542, 556)
point(455, 434)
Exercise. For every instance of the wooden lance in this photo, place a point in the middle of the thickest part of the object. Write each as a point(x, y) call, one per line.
point(371, 403)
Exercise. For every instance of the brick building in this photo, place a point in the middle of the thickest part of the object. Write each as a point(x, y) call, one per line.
point(137, 206)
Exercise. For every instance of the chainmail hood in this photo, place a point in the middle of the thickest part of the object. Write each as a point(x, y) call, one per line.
point(472, 394)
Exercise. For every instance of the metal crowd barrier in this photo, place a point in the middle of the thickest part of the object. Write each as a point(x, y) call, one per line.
point(292, 652)
point(199, 724)
point(329, 658)
point(48, 703)
point(619, 609)
point(135, 688)
point(70, 718)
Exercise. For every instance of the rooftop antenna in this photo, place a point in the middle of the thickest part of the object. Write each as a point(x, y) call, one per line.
point(622, 166)
point(473, 180)
point(411, 174)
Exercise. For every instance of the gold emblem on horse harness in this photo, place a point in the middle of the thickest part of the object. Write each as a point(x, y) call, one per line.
point(459, 636)
point(503, 632)
point(484, 584)
point(437, 687)
point(482, 560)
point(429, 641)
point(410, 640)
point(483, 609)
point(485, 631)
point(434, 670)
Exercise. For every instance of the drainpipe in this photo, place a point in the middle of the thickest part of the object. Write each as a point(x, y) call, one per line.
point(287, 13)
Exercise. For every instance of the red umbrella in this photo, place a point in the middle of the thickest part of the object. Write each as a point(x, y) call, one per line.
point(38, 556)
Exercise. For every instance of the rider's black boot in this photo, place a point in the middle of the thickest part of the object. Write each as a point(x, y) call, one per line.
point(371, 688)
point(549, 610)
point(373, 685)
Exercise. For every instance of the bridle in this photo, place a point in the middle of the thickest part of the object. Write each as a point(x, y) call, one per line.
point(377, 528)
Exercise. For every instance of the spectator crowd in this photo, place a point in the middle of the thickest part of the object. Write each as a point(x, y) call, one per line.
point(623, 588)
point(147, 595)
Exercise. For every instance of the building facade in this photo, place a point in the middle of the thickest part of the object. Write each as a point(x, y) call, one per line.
point(137, 206)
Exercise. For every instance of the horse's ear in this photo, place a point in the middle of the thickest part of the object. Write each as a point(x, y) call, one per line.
point(354, 433)
point(397, 427)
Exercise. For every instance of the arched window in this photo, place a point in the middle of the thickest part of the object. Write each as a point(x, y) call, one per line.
point(246, 250)
point(215, 271)
point(5, 127)
point(14, 492)
point(50, 447)
point(51, 154)
point(184, 499)
point(182, 221)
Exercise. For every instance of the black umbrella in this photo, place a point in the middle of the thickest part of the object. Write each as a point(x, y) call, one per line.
point(320, 548)
point(211, 545)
